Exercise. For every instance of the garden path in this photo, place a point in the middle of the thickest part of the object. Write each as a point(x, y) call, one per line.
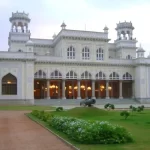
point(18, 132)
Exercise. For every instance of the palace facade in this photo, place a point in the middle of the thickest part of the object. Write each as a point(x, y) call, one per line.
point(74, 64)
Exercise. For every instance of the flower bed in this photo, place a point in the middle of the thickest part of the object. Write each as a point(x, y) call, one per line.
point(86, 132)
point(91, 133)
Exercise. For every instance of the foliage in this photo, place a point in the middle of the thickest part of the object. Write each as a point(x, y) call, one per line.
point(125, 113)
point(109, 106)
point(138, 109)
point(90, 132)
point(45, 116)
point(59, 109)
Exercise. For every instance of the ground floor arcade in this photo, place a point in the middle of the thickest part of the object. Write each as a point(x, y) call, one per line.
point(81, 89)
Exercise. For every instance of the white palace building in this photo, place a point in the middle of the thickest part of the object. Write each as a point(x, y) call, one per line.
point(75, 64)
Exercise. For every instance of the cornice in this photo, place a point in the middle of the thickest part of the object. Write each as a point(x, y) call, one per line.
point(84, 63)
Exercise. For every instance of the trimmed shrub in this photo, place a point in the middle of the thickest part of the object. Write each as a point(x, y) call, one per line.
point(59, 109)
point(45, 116)
point(125, 114)
point(109, 106)
point(91, 132)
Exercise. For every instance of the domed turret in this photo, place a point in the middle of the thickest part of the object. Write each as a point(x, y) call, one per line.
point(124, 30)
point(106, 29)
point(63, 25)
point(20, 21)
point(29, 46)
point(140, 52)
point(29, 43)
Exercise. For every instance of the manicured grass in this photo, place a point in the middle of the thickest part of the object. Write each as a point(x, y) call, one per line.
point(138, 124)
point(23, 107)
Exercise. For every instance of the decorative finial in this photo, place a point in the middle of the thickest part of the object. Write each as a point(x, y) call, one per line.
point(63, 25)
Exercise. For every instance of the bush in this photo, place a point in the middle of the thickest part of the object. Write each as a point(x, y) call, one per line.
point(125, 114)
point(138, 109)
point(59, 109)
point(109, 106)
point(90, 133)
point(45, 116)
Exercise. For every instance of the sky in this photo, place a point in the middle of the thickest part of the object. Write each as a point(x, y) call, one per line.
point(91, 15)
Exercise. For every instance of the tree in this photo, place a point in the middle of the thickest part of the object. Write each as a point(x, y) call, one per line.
point(125, 113)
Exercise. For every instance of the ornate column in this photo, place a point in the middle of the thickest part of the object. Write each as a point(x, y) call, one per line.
point(72, 89)
point(93, 89)
point(99, 91)
point(63, 89)
point(86, 90)
point(133, 89)
point(79, 96)
point(120, 89)
point(58, 89)
point(107, 90)
point(48, 94)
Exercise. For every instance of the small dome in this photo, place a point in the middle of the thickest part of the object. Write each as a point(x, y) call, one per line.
point(29, 43)
point(140, 49)
point(106, 28)
point(63, 25)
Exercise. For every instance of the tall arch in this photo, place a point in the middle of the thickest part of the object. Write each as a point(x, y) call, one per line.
point(114, 76)
point(56, 75)
point(100, 75)
point(71, 75)
point(9, 85)
point(127, 76)
point(86, 75)
point(40, 74)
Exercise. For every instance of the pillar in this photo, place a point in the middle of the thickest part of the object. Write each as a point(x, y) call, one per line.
point(99, 91)
point(133, 89)
point(72, 89)
point(48, 94)
point(120, 90)
point(58, 89)
point(93, 89)
point(79, 96)
point(63, 89)
point(107, 90)
point(86, 89)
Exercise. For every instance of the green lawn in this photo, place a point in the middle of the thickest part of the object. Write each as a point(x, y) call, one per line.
point(138, 124)
point(23, 107)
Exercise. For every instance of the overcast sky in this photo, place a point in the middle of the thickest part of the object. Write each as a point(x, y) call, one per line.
point(47, 16)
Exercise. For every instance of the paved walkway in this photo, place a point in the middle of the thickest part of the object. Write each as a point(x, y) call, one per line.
point(18, 132)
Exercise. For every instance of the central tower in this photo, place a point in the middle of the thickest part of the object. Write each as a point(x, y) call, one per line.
point(19, 33)
point(125, 43)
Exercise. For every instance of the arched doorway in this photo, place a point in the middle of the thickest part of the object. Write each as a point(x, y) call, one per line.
point(9, 85)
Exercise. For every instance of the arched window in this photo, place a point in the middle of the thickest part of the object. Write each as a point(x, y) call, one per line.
point(71, 75)
point(9, 85)
point(127, 76)
point(101, 76)
point(86, 75)
point(114, 76)
point(40, 74)
point(100, 54)
point(71, 52)
point(56, 75)
point(128, 57)
point(85, 53)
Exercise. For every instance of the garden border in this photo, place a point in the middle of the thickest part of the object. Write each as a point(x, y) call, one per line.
point(62, 139)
